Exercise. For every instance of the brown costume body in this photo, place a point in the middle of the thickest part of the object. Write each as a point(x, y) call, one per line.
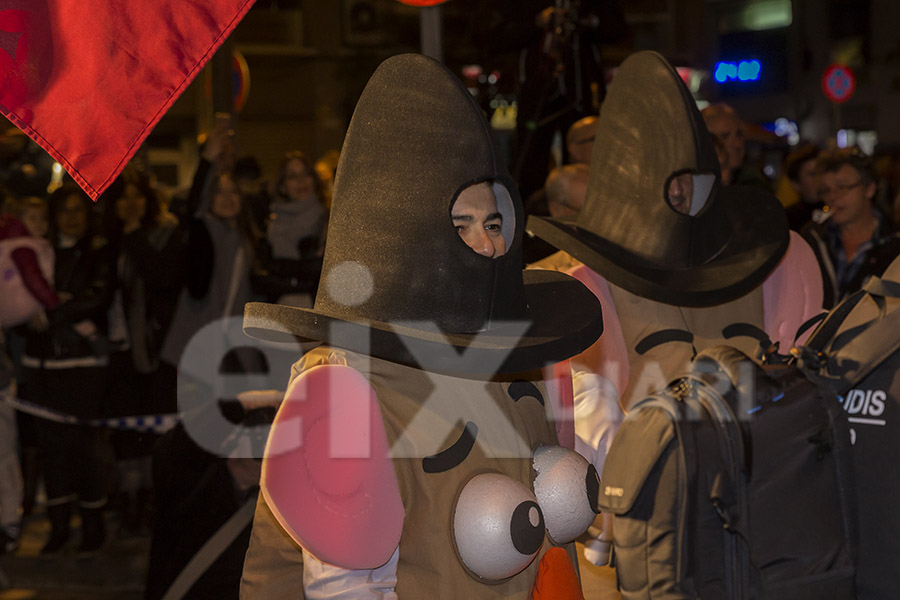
point(652, 369)
point(423, 414)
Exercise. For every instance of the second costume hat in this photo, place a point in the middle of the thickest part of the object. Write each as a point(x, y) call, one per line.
point(723, 245)
point(398, 282)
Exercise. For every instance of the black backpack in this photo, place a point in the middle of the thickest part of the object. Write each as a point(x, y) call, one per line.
point(856, 352)
point(734, 482)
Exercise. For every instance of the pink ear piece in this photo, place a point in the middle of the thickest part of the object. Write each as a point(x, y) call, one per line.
point(562, 401)
point(608, 356)
point(792, 293)
point(328, 476)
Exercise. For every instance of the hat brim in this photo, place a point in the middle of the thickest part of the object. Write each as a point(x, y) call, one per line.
point(758, 238)
point(563, 319)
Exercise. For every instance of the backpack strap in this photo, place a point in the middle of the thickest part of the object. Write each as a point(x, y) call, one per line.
point(832, 322)
point(808, 324)
point(850, 353)
point(882, 288)
point(767, 351)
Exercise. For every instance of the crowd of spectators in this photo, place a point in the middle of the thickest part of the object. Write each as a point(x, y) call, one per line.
point(104, 299)
point(115, 291)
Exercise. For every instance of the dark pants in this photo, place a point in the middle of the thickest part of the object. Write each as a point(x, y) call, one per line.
point(76, 458)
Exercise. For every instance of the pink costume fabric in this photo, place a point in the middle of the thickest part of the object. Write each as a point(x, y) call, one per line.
point(327, 504)
point(26, 273)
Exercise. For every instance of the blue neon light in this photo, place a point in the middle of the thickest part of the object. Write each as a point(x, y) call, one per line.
point(745, 70)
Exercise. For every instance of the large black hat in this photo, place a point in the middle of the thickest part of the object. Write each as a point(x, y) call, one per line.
point(398, 282)
point(650, 131)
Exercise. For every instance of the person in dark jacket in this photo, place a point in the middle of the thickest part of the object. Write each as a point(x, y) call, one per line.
point(65, 364)
point(856, 241)
point(800, 167)
point(141, 234)
point(197, 485)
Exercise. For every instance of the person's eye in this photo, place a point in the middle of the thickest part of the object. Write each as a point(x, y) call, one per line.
point(493, 227)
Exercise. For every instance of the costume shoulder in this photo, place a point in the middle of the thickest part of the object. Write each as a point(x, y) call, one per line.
point(327, 475)
point(792, 293)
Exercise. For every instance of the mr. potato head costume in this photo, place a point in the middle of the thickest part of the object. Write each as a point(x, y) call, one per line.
point(673, 278)
point(418, 453)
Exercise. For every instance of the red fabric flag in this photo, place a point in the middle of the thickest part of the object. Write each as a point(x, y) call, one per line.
point(89, 79)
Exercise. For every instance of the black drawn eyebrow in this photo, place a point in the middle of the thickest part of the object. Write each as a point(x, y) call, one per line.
point(663, 336)
point(521, 388)
point(745, 329)
point(455, 454)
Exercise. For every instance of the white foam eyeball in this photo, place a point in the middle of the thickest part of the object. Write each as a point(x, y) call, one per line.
point(566, 487)
point(498, 526)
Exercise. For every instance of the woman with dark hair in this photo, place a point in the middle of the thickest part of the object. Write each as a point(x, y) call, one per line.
point(140, 231)
point(196, 488)
point(298, 214)
point(219, 250)
point(65, 369)
point(291, 257)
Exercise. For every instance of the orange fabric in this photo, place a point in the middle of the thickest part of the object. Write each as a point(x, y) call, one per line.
point(556, 579)
point(89, 79)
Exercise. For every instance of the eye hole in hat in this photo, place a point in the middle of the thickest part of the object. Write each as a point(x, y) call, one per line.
point(483, 216)
point(687, 192)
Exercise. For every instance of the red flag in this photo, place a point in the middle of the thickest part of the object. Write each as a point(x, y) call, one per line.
point(89, 79)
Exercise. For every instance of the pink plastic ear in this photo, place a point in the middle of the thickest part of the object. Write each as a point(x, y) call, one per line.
point(792, 293)
point(599, 376)
point(562, 401)
point(608, 356)
point(327, 475)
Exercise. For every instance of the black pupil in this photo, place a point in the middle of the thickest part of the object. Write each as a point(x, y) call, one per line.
point(527, 537)
point(592, 483)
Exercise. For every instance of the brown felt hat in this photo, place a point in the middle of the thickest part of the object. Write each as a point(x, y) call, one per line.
point(728, 240)
point(398, 282)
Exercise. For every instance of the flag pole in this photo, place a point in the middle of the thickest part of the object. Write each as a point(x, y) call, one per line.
point(431, 28)
point(222, 84)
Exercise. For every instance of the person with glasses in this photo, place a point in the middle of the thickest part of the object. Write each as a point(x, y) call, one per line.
point(856, 240)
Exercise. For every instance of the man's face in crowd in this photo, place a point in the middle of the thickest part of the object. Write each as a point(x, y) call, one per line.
point(731, 132)
point(478, 221)
point(848, 196)
point(807, 184)
point(35, 221)
point(72, 218)
point(581, 145)
point(681, 188)
point(298, 182)
point(131, 205)
point(574, 199)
